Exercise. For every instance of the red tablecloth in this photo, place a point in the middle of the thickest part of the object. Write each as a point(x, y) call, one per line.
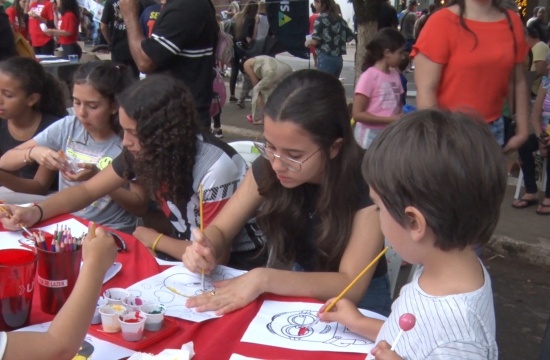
point(213, 339)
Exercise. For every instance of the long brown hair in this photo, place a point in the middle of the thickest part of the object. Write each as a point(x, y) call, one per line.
point(249, 12)
point(316, 102)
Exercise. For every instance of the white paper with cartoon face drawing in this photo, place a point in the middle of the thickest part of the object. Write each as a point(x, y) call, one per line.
point(174, 286)
point(295, 325)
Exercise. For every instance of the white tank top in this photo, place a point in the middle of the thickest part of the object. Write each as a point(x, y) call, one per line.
point(263, 27)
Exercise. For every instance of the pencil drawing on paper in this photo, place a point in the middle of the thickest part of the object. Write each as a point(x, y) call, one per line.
point(304, 325)
point(172, 287)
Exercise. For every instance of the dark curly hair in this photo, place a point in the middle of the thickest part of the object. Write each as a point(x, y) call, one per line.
point(35, 80)
point(167, 129)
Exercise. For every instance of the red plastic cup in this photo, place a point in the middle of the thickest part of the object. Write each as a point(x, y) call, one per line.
point(57, 274)
point(17, 270)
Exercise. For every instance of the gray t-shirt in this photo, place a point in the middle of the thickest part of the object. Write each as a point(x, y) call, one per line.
point(69, 135)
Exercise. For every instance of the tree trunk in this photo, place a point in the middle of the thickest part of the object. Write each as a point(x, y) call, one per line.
point(366, 12)
point(365, 32)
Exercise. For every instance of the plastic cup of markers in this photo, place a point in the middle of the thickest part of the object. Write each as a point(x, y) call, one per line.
point(132, 325)
point(155, 316)
point(97, 316)
point(57, 274)
point(109, 317)
point(133, 303)
point(116, 295)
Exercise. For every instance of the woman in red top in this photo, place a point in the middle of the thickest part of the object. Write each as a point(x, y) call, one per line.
point(41, 16)
point(312, 18)
point(67, 29)
point(18, 18)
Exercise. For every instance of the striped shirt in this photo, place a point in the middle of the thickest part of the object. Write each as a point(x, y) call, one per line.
point(447, 327)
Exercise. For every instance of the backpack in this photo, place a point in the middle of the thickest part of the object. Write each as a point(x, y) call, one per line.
point(219, 94)
point(224, 48)
point(22, 46)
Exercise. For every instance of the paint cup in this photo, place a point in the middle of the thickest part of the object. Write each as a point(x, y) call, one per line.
point(97, 316)
point(133, 303)
point(109, 317)
point(116, 295)
point(73, 59)
point(132, 325)
point(155, 316)
point(17, 271)
point(57, 274)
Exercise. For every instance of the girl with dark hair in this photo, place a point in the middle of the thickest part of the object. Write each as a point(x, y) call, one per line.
point(465, 60)
point(172, 159)
point(377, 100)
point(18, 19)
point(67, 31)
point(329, 37)
point(311, 201)
point(30, 101)
point(244, 22)
point(79, 146)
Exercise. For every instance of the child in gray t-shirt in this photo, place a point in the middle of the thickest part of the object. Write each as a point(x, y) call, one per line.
point(79, 146)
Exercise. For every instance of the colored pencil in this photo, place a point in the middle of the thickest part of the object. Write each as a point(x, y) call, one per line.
point(201, 224)
point(343, 293)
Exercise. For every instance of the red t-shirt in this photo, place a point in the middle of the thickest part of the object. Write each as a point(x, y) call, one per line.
point(17, 25)
point(45, 10)
point(68, 22)
point(475, 75)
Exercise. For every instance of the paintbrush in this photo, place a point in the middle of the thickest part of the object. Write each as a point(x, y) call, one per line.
point(343, 293)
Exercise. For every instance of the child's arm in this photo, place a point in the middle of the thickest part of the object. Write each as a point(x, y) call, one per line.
point(40, 184)
point(30, 151)
point(69, 327)
point(134, 200)
point(360, 114)
point(346, 313)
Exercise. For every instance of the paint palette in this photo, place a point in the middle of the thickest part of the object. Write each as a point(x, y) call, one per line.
point(169, 327)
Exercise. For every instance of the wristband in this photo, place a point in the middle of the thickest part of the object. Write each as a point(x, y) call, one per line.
point(156, 241)
point(41, 212)
point(27, 158)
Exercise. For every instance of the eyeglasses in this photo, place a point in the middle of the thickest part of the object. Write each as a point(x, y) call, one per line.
point(290, 164)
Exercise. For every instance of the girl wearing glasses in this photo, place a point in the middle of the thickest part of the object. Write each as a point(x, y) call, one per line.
point(310, 200)
point(79, 146)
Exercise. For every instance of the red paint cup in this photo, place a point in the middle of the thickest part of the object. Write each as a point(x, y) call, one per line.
point(57, 274)
point(17, 270)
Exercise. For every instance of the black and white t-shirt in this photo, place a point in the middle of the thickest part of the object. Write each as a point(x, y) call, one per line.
point(220, 170)
point(182, 44)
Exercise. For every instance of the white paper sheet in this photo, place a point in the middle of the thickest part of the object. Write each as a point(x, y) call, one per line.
point(295, 325)
point(187, 284)
point(101, 349)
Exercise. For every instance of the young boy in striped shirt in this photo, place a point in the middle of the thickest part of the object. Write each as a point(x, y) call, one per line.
point(438, 179)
